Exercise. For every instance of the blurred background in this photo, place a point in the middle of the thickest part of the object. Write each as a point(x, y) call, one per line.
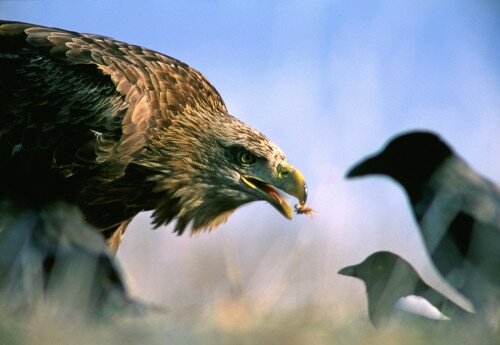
point(329, 82)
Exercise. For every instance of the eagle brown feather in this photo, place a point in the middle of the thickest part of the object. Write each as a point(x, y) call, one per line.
point(117, 129)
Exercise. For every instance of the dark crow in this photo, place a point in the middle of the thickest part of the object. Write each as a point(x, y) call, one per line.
point(392, 283)
point(458, 211)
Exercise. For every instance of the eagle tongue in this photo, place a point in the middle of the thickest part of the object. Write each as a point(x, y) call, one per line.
point(273, 193)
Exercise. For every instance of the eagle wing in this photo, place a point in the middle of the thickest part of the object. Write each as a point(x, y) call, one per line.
point(82, 107)
point(73, 101)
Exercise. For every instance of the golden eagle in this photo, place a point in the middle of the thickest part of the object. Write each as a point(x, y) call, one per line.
point(118, 129)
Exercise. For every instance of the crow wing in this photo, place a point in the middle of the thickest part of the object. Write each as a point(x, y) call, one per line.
point(461, 223)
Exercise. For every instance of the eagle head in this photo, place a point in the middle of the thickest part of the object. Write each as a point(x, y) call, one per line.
point(206, 164)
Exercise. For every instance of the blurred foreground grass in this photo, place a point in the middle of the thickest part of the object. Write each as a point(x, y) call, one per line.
point(214, 290)
point(231, 322)
point(239, 287)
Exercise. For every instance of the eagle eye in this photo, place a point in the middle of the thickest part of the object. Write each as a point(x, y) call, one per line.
point(246, 158)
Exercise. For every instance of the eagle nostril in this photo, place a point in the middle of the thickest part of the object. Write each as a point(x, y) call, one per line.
point(283, 174)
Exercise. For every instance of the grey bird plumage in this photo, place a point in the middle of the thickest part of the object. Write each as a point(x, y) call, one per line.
point(51, 258)
point(392, 283)
point(457, 210)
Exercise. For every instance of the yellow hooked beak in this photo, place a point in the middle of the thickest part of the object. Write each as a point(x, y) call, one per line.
point(288, 179)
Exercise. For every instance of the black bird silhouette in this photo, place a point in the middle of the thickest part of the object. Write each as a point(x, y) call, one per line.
point(49, 256)
point(389, 279)
point(457, 210)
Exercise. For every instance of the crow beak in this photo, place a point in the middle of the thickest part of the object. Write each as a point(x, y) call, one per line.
point(348, 271)
point(371, 165)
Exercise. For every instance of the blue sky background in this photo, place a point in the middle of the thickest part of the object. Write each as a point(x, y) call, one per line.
point(329, 82)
